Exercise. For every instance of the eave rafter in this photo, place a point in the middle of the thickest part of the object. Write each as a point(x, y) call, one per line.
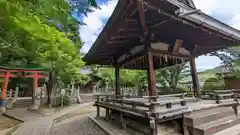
point(107, 38)
point(117, 42)
point(123, 36)
point(130, 20)
point(129, 30)
point(159, 23)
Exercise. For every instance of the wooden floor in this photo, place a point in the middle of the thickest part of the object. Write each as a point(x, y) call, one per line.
point(191, 106)
point(132, 111)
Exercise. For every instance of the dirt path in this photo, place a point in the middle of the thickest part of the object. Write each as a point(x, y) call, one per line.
point(44, 125)
point(78, 125)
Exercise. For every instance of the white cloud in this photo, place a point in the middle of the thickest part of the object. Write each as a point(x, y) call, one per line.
point(207, 62)
point(206, 6)
point(95, 24)
point(236, 21)
point(223, 9)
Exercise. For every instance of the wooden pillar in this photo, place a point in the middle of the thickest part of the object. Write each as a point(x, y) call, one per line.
point(185, 129)
point(149, 60)
point(4, 91)
point(151, 85)
point(36, 92)
point(151, 75)
point(123, 123)
point(117, 82)
point(107, 109)
point(147, 46)
point(35, 81)
point(5, 84)
point(195, 78)
point(35, 86)
point(107, 114)
point(98, 108)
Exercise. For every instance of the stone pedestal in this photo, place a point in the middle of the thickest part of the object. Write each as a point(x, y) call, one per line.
point(10, 103)
point(36, 100)
point(2, 106)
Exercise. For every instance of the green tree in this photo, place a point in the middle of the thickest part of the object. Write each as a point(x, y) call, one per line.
point(42, 33)
point(170, 76)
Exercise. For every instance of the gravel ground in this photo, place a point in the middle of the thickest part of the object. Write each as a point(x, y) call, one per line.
point(77, 126)
point(6, 122)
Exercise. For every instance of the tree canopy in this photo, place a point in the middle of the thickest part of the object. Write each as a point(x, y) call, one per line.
point(42, 33)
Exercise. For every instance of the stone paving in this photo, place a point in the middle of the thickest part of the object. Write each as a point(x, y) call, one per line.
point(22, 114)
point(42, 125)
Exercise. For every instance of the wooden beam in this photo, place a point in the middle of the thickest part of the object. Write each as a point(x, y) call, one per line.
point(158, 24)
point(21, 70)
point(147, 44)
point(117, 42)
point(195, 80)
point(178, 45)
point(117, 81)
point(129, 20)
point(141, 12)
point(132, 57)
point(128, 30)
point(134, 11)
point(124, 36)
point(161, 52)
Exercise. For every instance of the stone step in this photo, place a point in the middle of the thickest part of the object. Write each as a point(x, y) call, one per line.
point(205, 116)
point(213, 127)
point(235, 130)
point(23, 103)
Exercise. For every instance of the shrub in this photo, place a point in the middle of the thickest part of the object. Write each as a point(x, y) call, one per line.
point(216, 83)
point(168, 90)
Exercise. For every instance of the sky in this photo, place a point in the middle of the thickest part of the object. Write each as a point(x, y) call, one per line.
point(226, 11)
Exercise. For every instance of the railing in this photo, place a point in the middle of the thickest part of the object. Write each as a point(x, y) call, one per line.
point(222, 95)
point(152, 109)
point(148, 108)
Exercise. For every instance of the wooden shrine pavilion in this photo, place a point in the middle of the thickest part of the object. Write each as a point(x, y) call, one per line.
point(152, 34)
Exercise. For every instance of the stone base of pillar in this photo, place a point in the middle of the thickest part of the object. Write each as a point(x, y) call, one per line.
point(36, 104)
point(33, 108)
point(10, 104)
point(2, 106)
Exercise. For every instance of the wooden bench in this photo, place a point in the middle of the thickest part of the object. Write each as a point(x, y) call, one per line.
point(181, 95)
point(169, 103)
point(222, 95)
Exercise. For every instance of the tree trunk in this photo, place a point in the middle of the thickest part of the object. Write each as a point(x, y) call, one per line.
point(79, 100)
point(50, 85)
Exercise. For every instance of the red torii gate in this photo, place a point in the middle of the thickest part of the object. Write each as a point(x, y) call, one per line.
point(7, 73)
